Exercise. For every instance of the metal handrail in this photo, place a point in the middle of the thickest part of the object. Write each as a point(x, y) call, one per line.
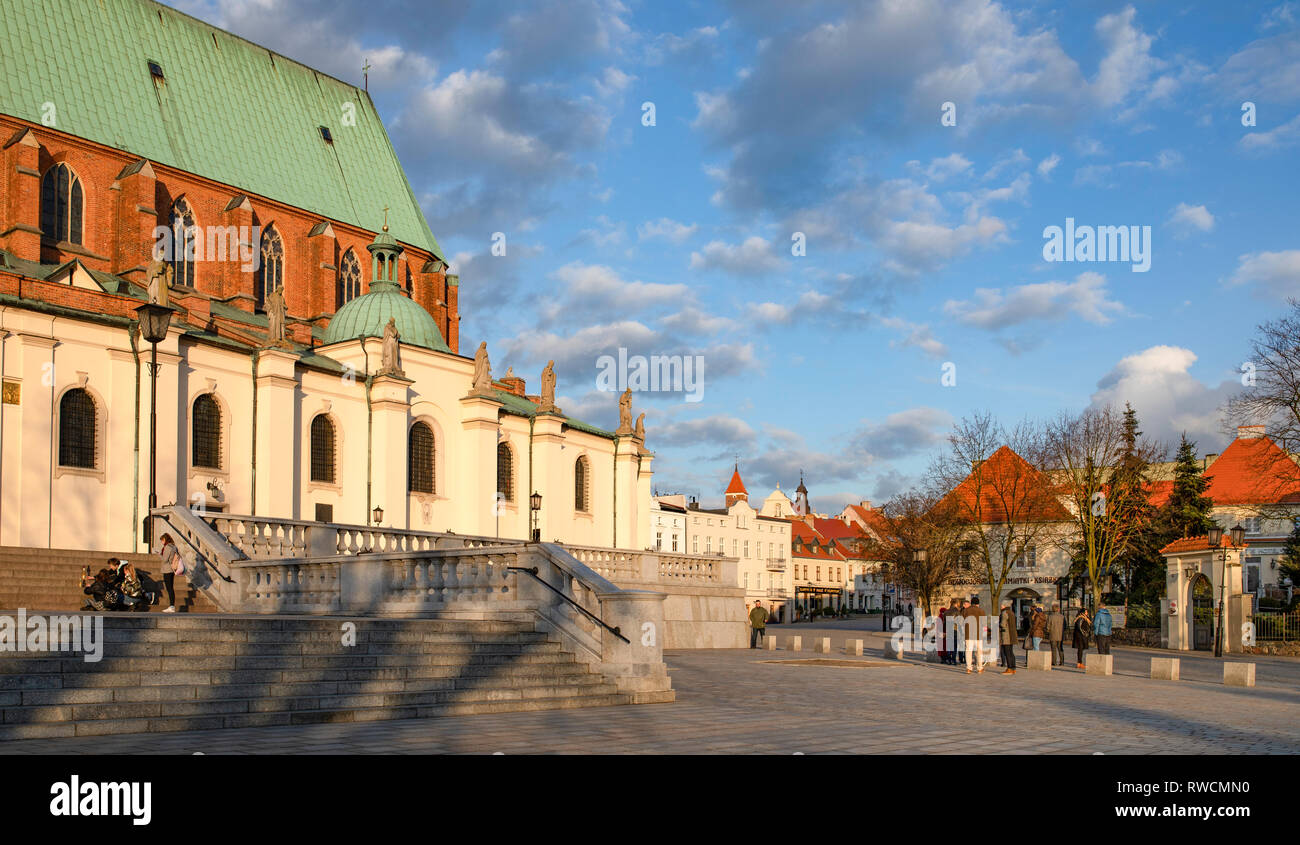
point(196, 549)
point(532, 570)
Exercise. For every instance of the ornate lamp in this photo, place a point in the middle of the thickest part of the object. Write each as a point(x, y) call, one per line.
point(535, 505)
point(377, 514)
point(154, 322)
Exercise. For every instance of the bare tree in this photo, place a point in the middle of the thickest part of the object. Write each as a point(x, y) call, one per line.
point(1271, 397)
point(915, 521)
point(998, 493)
point(1093, 458)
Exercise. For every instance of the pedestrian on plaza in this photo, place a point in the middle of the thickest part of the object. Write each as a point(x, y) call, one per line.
point(757, 624)
point(1056, 634)
point(972, 621)
point(1101, 626)
point(1037, 626)
point(1082, 628)
point(940, 635)
point(1007, 638)
point(172, 565)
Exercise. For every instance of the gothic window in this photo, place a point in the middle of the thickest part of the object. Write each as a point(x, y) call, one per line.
point(61, 204)
point(270, 270)
point(349, 278)
point(322, 449)
point(206, 425)
point(420, 458)
point(184, 233)
point(582, 485)
point(505, 472)
point(77, 429)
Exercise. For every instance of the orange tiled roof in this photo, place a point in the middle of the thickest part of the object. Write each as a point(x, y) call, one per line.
point(803, 533)
point(1005, 468)
point(1253, 471)
point(736, 485)
point(1196, 544)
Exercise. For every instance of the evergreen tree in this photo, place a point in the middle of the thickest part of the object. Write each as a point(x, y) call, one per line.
point(1288, 566)
point(1187, 513)
point(1128, 485)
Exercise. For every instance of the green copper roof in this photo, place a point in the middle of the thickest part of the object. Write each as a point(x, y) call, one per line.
point(228, 109)
point(522, 407)
point(366, 316)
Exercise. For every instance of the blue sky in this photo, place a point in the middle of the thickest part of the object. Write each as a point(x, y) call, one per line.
point(924, 242)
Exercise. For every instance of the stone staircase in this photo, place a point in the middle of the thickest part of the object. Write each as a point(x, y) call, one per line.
point(178, 673)
point(48, 579)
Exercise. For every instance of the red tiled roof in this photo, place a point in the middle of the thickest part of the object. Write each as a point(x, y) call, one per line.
point(871, 518)
point(1253, 471)
point(736, 485)
point(1006, 470)
point(1196, 544)
point(802, 532)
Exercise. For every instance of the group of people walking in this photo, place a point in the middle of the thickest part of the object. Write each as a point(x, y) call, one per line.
point(965, 619)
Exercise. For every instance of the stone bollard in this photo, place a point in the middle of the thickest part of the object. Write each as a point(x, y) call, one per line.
point(853, 647)
point(794, 643)
point(822, 645)
point(892, 650)
point(1164, 668)
point(1239, 674)
point(1040, 660)
point(771, 643)
point(1098, 664)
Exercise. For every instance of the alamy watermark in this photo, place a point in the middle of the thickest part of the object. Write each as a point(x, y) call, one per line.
point(208, 243)
point(655, 373)
point(37, 633)
point(1099, 243)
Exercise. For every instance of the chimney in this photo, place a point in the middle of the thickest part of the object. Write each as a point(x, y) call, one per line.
point(1209, 459)
point(865, 504)
point(1250, 432)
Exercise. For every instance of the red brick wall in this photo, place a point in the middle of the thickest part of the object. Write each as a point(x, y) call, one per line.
point(119, 217)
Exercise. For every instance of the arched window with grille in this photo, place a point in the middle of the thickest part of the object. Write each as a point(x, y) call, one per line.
point(420, 459)
point(61, 204)
point(270, 270)
point(78, 429)
point(582, 484)
point(184, 232)
point(349, 278)
point(322, 449)
point(205, 427)
point(505, 472)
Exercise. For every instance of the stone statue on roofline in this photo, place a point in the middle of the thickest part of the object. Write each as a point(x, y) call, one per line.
point(625, 413)
point(482, 385)
point(547, 405)
point(639, 434)
point(389, 364)
point(275, 314)
point(158, 278)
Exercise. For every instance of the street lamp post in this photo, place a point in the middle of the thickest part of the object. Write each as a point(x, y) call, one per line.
point(535, 505)
point(1215, 536)
point(154, 321)
point(377, 515)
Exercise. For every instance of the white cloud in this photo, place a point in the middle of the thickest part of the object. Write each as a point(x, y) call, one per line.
point(1276, 273)
point(994, 309)
point(1286, 135)
point(667, 229)
point(1047, 165)
point(1167, 398)
point(753, 257)
point(1187, 217)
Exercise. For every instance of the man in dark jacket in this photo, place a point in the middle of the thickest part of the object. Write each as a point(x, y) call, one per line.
point(1007, 638)
point(972, 619)
point(1082, 628)
point(1056, 634)
point(757, 624)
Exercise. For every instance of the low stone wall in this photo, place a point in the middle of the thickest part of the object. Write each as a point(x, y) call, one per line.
point(701, 617)
point(1283, 648)
point(1146, 637)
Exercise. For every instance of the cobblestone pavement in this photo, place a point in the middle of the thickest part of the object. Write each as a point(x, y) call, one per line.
point(731, 702)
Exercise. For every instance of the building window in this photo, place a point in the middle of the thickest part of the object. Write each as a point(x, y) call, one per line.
point(819, 573)
point(674, 542)
point(735, 548)
point(695, 545)
point(324, 513)
point(746, 548)
point(322, 449)
point(206, 432)
point(659, 541)
point(349, 278)
point(746, 580)
point(77, 429)
point(419, 457)
point(581, 484)
point(183, 234)
point(61, 204)
point(505, 473)
point(708, 545)
point(1027, 558)
point(270, 273)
